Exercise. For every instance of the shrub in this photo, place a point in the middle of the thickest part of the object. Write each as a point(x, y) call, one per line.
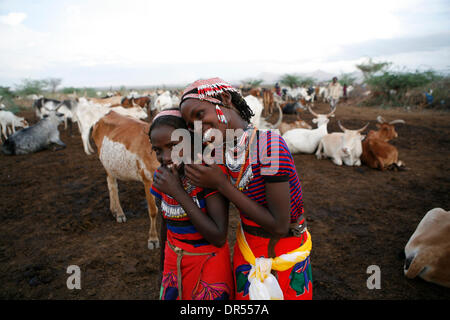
point(29, 86)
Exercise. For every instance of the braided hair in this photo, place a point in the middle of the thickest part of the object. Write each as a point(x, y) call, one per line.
point(241, 106)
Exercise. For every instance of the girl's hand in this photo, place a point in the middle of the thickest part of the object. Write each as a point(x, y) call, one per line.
point(205, 176)
point(168, 181)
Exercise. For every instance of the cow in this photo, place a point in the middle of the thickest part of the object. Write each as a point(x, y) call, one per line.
point(301, 140)
point(377, 152)
point(427, 253)
point(125, 151)
point(299, 123)
point(38, 137)
point(256, 92)
point(38, 106)
point(129, 102)
point(111, 101)
point(9, 120)
point(163, 101)
point(66, 107)
point(257, 120)
point(292, 107)
point(342, 147)
point(88, 113)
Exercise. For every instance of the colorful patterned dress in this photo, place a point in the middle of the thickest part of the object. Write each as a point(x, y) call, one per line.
point(206, 272)
point(261, 167)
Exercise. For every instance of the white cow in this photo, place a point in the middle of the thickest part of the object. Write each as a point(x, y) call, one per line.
point(66, 107)
point(88, 113)
point(428, 250)
point(302, 140)
point(163, 101)
point(259, 122)
point(342, 147)
point(257, 107)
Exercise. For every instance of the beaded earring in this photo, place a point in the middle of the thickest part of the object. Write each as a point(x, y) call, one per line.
point(220, 115)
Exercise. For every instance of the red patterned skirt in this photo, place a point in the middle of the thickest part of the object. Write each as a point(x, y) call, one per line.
point(205, 275)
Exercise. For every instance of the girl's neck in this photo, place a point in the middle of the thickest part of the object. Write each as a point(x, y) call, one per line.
point(237, 122)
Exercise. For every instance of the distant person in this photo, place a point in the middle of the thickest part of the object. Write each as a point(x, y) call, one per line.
point(284, 94)
point(429, 97)
point(334, 92)
point(277, 89)
point(345, 92)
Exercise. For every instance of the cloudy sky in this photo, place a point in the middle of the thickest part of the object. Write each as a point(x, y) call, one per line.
point(143, 42)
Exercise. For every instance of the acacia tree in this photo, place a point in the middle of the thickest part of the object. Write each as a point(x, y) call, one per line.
point(290, 80)
point(53, 83)
point(252, 83)
point(346, 79)
point(371, 67)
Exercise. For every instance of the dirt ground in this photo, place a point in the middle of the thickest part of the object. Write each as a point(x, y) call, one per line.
point(54, 212)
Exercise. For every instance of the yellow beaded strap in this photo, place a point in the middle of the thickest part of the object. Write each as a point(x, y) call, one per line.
point(280, 263)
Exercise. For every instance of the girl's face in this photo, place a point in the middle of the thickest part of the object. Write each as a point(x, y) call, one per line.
point(162, 145)
point(204, 111)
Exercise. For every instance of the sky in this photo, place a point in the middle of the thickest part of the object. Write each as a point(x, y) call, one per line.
point(102, 43)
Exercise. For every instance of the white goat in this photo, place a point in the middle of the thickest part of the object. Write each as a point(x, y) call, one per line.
point(302, 140)
point(88, 113)
point(7, 119)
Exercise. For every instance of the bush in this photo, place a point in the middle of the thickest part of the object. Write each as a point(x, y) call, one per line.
point(90, 92)
point(401, 81)
point(7, 98)
point(403, 88)
point(292, 80)
point(28, 86)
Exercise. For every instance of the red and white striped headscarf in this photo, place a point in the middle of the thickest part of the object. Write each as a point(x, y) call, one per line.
point(207, 90)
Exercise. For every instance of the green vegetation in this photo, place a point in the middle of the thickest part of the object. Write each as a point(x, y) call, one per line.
point(7, 97)
point(391, 88)
point(29, 86)
point(346, 79)
point(292, 80)
point(370, 67)
point(252, 83)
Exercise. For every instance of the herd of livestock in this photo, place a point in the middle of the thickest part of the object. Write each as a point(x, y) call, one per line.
point(117, 127)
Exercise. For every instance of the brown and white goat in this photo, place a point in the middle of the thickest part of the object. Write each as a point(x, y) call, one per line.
point(125, 151)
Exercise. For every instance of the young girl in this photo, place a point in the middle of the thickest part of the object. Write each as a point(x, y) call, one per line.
point(196, 257)
point(264, 187)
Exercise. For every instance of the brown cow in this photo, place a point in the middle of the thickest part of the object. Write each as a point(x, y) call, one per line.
point(126, 154)
point(143, 102)
point(377, 152)
point(256, 92)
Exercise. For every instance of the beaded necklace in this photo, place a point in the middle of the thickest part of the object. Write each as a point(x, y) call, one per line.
point(243, 178)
